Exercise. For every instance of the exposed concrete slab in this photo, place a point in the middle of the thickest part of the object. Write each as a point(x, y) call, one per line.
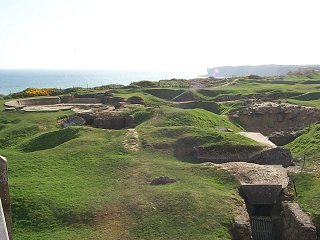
point(258, 137)
point(48, 108)
point(255, 174)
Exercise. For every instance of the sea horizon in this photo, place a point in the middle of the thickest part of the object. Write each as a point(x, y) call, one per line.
point(15, 80)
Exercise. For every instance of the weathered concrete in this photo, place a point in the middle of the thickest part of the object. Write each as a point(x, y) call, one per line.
point(250, 154)
point(258, 137)
point(297, 225)
point(4, 194)
point(114, 122)
point(241, 225)
point(46, 108)
point(250, 173)
point(33, 102)
point(283, 138)
point(261, 194)
point(269, 117)
point(273, 156)
point(3, 226)
point(81, 100)
point(72, 121)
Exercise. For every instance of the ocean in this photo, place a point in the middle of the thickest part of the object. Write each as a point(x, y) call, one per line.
point(17, 80)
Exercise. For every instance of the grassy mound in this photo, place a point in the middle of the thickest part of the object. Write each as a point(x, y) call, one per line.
point(187, 96)
point(308, 143)
point(50, 139)
point(179, 131)
point(206, 105)
point(165, 93)
point(167, 117)
point(149, 100)
point(308, 96)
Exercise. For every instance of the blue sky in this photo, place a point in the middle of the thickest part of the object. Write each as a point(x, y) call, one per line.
point(149, 35)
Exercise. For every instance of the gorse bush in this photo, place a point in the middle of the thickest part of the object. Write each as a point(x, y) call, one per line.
point(33, 92)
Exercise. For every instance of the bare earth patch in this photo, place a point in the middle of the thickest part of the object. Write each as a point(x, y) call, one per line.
point(131, 140)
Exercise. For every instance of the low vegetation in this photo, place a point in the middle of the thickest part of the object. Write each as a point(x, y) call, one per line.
point(83, 183)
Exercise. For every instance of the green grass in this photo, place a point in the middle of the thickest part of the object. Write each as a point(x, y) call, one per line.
point(179, 131)
point(148, 99)
point(308, 143)
point(81, 183)
point(307, 186)
point(307, 183)
point(206, 105)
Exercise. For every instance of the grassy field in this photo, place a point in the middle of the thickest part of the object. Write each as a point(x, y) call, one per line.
point(82, 183)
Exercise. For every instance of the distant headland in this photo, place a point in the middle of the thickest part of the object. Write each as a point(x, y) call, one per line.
point(261, 70)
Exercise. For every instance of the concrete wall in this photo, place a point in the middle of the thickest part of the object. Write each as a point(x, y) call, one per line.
point(33, 102)
point(3, 226)
point(4, 195)
point(274, 156)
point(39, 101)
point(80, 100)
point(241, 225)
point(297, 225)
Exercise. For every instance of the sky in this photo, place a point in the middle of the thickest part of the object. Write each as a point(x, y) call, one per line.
point(190, 35)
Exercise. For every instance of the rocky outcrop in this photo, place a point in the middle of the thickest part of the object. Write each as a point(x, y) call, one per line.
point(297, 225)
point(72, 121)
point(268, 117)
point(274, 156)
point(283, 138)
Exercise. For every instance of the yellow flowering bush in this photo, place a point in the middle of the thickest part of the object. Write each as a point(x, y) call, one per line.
point(32, 92)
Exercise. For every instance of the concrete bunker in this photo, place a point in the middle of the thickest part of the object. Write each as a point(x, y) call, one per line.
point(282, 123)
point(271, 218)
point(263, 205)
point(261, 199)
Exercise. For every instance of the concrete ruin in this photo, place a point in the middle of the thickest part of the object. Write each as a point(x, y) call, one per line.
point(250, 154)
point(267, 214)
point(100, 110)
point(84, 101)
point(281, 122)
point(5, 204)
point(296, 223)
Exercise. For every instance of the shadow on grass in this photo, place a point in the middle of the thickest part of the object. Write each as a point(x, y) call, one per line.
point(50, 140)
point(183, 150)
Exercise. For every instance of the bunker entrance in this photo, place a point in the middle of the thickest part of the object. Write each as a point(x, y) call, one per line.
point(262, 210)
point(263, 206)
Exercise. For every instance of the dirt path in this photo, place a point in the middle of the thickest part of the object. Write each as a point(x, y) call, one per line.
point(131, 140)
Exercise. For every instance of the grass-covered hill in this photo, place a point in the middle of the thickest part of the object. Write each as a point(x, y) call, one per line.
point(84, 183)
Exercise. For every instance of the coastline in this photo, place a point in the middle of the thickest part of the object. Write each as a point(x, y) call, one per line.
point(18, 80)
